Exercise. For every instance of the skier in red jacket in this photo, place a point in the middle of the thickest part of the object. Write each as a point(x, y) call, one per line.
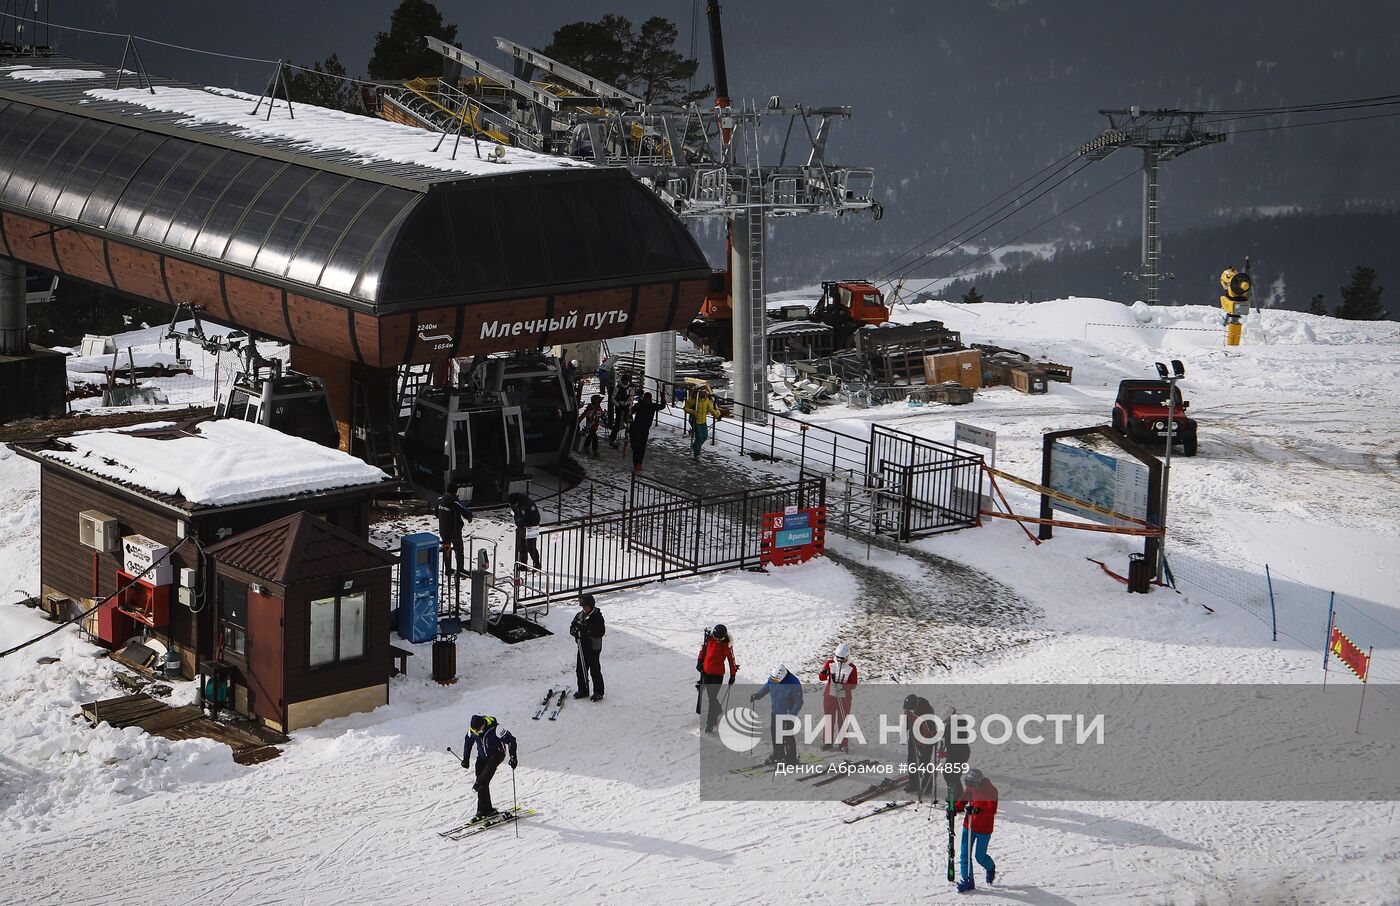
point(979, 801)
point(715, 652)
point(839, 674)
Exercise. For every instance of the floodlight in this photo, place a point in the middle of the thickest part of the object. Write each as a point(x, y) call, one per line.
point(1162, 370)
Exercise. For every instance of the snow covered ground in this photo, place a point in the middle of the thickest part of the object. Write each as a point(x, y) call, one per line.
point(1298, 467)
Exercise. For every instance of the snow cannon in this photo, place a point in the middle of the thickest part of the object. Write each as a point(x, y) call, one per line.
point(1235, 302)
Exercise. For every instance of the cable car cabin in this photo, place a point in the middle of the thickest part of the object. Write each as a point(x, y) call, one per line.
point(464, 438)
point(292, 403)
point(535, 384)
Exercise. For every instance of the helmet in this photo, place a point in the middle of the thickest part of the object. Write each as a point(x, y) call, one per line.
point(843, 651)
point(973, 777)
point(478, 724)
point(720, 632)
point(911, 702)
point(596, 398)
point(778, 673)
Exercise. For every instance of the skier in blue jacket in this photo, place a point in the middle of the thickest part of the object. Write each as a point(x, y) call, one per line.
point(491, 741)
point(784, 691)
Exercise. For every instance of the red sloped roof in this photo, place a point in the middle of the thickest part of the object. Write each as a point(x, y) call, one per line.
point(298, 548)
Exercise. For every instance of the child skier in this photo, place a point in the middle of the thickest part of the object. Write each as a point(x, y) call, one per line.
point(491, 741)
point(786, 691)
point(591, 420)
point(839, 674)
point(979, 802)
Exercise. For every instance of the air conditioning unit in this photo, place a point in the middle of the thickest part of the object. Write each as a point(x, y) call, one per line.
point(98, 531)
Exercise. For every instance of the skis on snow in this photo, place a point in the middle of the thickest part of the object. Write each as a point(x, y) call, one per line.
point(872, 792)
point(481, 826)
point(559, 704)
point(887, 807)
point(837, 772)
point(539, 712)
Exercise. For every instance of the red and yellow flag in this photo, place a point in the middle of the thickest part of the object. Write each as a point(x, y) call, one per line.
point(1348, 653)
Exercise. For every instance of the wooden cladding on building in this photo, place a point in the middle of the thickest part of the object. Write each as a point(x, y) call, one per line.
point(379, 340)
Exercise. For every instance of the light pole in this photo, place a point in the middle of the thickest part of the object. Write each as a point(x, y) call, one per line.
point(1178, 371)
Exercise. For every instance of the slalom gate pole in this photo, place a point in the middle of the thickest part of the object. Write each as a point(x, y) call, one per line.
point(1365, 681)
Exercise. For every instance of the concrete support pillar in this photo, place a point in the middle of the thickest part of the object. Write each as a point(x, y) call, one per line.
point(13, 318)
point(750, 319)
point(661, 363)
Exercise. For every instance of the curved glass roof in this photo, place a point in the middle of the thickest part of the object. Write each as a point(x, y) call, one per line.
point(329, 230)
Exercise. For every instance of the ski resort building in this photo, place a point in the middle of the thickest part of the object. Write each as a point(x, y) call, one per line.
point(363, 244)
point(112, 503)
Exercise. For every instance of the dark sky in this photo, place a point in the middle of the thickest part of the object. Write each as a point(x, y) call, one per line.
point(954, 101)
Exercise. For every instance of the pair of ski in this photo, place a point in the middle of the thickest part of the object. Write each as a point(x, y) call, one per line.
point(879, 789)
point(888, 807)
point(482, 825)
point(769, 767)
point(544, 704)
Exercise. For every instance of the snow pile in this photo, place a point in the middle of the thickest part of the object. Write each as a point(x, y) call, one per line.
point(223, 462)
point(55, 765)
point(320, 129)
point(31, 74)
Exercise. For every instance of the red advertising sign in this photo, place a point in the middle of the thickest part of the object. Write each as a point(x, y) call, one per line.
point(1350, 654)
point(792, 537)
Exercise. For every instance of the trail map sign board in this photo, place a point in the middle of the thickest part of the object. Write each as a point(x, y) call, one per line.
point(795, 536)
point(1108, 483)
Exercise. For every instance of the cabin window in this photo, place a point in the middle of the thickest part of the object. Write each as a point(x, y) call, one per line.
point(338, 628)
point(233, 629)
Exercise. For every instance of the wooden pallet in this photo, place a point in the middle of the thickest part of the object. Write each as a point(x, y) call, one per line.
point(187, 722)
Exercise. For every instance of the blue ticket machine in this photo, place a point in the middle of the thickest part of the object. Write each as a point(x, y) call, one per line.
point(418, 586)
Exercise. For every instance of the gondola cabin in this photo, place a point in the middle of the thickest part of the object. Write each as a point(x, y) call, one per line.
point(536, 384)
point(295, 404)
point(467, 439)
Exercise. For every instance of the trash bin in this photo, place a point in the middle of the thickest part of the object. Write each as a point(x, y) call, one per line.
point(1139, 575)
point(445, 662)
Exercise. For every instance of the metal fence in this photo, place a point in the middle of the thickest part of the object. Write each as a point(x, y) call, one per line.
point(1298, 610)
point(923, 487)
point(663, 533)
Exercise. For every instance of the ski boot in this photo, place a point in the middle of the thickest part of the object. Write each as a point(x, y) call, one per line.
point(991, 876)
point(966, 885)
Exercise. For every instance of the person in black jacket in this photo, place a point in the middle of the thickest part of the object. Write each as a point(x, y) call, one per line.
point(588, 630)
point(954, 753)
point(643, 414)
point(527, 529)
point(491, 741)
point(450, 512)
point(919, 755)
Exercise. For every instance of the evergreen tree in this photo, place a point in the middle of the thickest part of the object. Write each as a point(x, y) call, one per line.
point(644, 63)
point(1317, 306)
point(1361, 298)
point(972, 297)
point(401, 53)
point(659, 72)
point(323, 86)
point(597, 48)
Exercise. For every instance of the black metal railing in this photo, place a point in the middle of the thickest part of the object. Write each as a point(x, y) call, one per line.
point(663, 533)
point(926, 487)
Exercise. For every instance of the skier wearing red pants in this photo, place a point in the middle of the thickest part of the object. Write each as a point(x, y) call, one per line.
point(839, 674)
point(979, 801)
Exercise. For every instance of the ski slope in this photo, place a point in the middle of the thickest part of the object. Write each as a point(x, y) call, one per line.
point(1298, 467)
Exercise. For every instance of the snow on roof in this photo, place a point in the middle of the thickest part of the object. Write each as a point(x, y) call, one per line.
point(217, 463)
point(33, 74)
point(320, 129)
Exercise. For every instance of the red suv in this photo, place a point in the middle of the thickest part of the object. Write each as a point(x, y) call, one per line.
point(1141, 413)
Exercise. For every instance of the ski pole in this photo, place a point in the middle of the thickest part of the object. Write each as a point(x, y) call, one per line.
point(514, 803)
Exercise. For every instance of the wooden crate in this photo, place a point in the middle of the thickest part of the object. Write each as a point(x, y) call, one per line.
point(963, 367)
point(1028, 380)
point(1054, 371)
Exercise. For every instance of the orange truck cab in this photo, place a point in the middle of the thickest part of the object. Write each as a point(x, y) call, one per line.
point(860, 301)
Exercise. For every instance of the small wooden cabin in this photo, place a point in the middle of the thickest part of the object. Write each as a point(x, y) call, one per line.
point(196, 483)
point(301, 616)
